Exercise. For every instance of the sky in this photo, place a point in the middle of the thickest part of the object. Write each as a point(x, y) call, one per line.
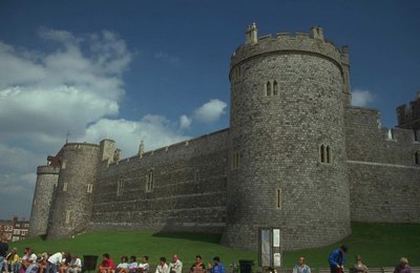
point(158, 70)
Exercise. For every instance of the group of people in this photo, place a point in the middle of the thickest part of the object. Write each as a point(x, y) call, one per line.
point(336, 260)
point(130, 265)
point(62, 262)
point(11, 262)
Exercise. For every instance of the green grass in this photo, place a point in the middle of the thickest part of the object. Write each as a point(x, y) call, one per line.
point(379, 245)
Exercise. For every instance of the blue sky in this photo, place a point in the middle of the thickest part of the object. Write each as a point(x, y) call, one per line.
point(158, 70)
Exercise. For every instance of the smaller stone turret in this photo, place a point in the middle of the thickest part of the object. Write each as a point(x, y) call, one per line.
point(141, 149)
point(251, 34)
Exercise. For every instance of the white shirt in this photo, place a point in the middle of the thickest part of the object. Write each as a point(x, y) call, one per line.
point(162, 269)
point(176, 266)
point(76, 263)
point(31, 258)
point(122, 265)
point(56, 258)
point(145, 267)
point(133, 265)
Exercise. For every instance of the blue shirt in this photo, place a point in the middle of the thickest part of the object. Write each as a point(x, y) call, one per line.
point(336, 258)
point(218, 268)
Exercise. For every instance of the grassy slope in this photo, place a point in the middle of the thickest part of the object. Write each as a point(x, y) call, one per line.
point(379, 244)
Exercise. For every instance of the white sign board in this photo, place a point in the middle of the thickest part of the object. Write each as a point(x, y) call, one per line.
point(276, 237)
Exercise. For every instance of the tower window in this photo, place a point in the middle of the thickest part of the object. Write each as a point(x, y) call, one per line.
point(279, 201)
point(328, 154)
point(268, 89)
point(322, 153)
point(416, 135)
point(325, 154)
point(68, 216)
point(149, 181)
point(120, 187)
point(275, 88)
point(417, 158)
point(390, 134)
point(65, 186)
point(89, 188)
point(235, 160)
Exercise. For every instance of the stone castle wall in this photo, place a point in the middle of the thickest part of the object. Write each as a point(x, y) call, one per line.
point(384, 178)
point(189, 188)
point(46, 182)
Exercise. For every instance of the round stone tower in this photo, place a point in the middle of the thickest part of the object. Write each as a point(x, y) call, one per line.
point(46, 182)
point(287, 163)
point(73, 200)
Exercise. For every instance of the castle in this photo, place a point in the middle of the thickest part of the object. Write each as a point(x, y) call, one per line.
point(297, 156)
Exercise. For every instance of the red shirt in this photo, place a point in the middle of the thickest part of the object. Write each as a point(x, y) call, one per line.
point(108, 263)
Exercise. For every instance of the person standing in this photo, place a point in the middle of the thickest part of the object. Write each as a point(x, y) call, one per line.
point(336, 259)
point(176, 265)
point(301, 267)
point(403, 266)
point(217, 266)
point(4, 247)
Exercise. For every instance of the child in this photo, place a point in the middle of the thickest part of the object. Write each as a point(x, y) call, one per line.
point(132, 265)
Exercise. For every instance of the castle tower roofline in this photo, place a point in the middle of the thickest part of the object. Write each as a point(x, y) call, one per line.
point(79, 144)
point(312, 42)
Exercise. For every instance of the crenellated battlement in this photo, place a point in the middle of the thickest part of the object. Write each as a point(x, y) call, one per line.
point(312, 42)
point(47, 170)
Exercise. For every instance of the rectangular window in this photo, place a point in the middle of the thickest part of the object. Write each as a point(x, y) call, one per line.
point(416, 135)
point(149, 181)
point(64, 186)
point(279, 198)
point(68, 213)
point(120, 187)
point(235, 160)
point(63, 164)
point(89, 188)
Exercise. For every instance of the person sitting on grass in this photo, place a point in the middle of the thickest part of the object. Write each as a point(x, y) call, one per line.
point(162, 267)
point(301, 267)
point(107, 265)
point(144, 266)
point(13, 261)
point(122, 267)
point(198, 266)
point(28, 261)
point(65, 263)
point(176, 265)
point(75, 265)
point(43, 263)
point(132, 264)
point(359, 266)
point(217, 266)
point(403, 266)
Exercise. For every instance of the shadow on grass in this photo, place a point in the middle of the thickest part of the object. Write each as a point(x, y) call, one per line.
point(202, 237)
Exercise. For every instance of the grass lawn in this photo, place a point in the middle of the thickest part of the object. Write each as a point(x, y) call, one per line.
point(379, 244)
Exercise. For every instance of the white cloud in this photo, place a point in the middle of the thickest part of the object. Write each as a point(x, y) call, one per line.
point(185, 122)
point(77, 86)
point(210, 111)
point(361, 97)
point(155, 131)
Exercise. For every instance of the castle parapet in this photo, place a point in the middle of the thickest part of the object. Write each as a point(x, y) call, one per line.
point(312, 43)
point(47, 170)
